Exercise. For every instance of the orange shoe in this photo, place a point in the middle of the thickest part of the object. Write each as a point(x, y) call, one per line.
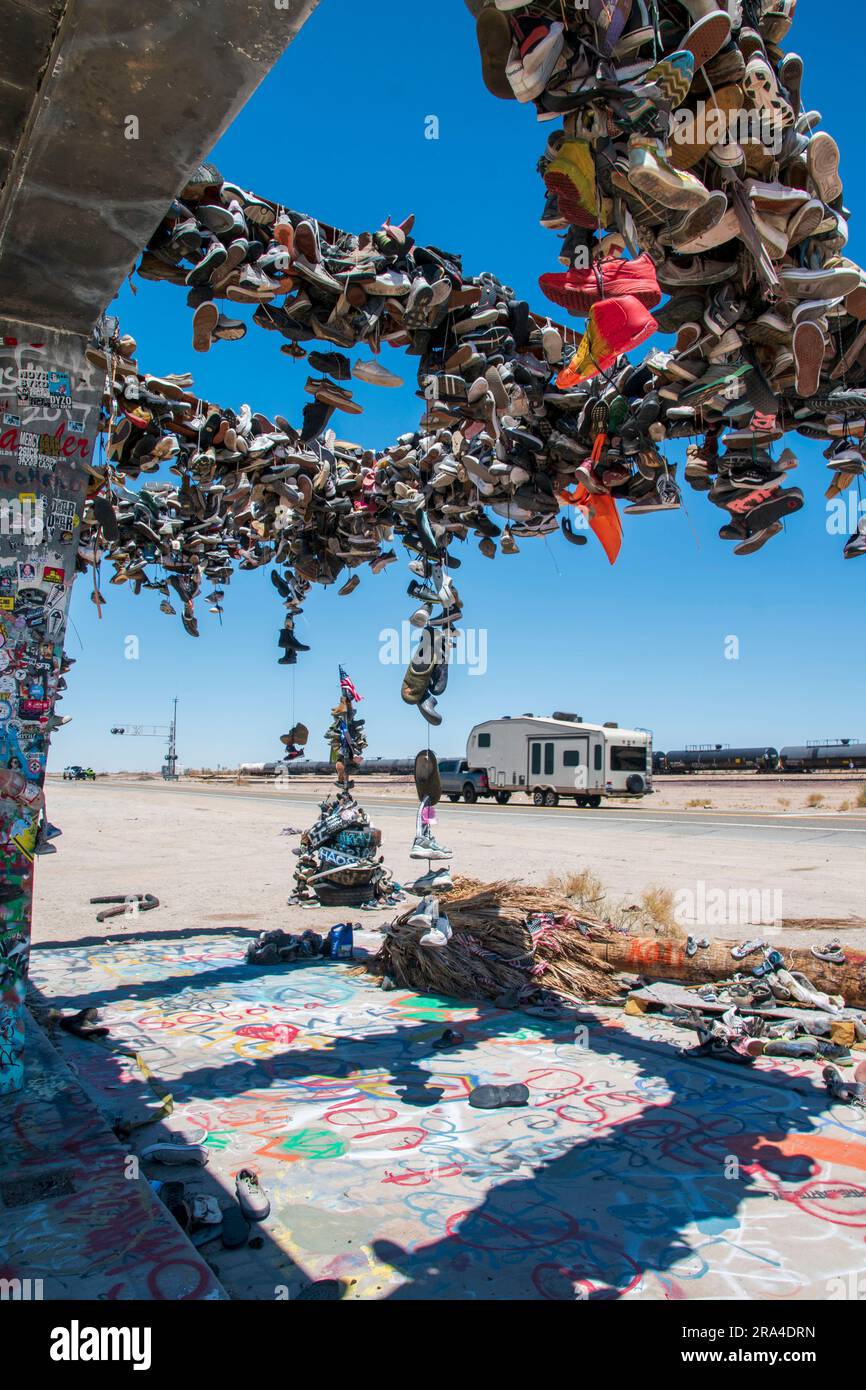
point(614, 326)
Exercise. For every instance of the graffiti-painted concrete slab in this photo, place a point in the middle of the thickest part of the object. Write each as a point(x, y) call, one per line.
point(632, 1173)
point(72, 1223)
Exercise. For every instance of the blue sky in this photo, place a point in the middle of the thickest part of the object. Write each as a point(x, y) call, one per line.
point(338, 129)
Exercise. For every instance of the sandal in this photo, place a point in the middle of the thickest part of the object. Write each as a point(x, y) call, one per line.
point(748, 948)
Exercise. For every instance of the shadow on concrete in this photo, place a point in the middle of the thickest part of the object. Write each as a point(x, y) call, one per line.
point(590, 1222)
point(156, 934)
point(588, 1218)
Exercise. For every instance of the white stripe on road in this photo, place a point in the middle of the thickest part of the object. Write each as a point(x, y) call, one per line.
point(647, 819)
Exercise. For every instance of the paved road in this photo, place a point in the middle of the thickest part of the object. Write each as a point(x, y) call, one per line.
point(639, 819)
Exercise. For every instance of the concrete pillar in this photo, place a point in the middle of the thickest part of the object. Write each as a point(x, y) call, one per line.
point(105, 109)
point(49, 408)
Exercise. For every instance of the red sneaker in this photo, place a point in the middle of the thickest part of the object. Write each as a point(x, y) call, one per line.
point(577, 290)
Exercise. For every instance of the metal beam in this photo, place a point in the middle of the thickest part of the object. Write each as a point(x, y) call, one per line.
point(131, 100)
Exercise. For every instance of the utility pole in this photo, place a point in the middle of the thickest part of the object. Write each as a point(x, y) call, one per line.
point(169, 731)
point(169, 771)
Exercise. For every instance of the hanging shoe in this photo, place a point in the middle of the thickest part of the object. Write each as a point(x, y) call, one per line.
point(578, 290)
point(493, 32)
point(571, 176)
point(651, 172)
point(614, 326)
point(425, 847)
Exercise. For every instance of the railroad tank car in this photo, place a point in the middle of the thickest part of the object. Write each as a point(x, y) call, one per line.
point(824, 757)
point(387, 767)
point(722, 760)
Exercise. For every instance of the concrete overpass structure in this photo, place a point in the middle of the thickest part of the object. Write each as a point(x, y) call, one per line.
point(105, 109)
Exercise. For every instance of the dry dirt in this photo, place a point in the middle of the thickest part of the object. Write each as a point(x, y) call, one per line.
point(217, 859)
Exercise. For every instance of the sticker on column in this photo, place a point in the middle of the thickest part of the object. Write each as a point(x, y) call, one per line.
point(41, 387)
point(62, 518)
point(10, 434)
point(23, 836)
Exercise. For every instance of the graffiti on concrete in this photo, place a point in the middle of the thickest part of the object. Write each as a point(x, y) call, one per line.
point(70, 1217)
point(633, 1172)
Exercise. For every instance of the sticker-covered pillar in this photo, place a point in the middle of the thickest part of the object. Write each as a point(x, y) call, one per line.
point(49, 409)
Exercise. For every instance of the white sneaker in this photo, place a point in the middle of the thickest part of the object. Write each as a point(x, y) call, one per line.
point(545, 54)
point(176, 1153)
point(726, 346)
point(436, 881)
point(726, 229)
point(389, 282)
point(425, 847)
point(772, 232)
point(375, 374)
point(426, 913)
point(444, 926)
point(551, 340)
point(526, 83)
point(434, 937)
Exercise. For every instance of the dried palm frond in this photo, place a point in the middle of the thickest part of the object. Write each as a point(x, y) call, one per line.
point(494, 954)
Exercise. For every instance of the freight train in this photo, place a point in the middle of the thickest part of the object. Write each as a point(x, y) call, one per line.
point(303, 767)
point(838, 755)
point(717, 759)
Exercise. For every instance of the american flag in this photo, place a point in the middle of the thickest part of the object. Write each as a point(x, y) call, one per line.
point(347, 685)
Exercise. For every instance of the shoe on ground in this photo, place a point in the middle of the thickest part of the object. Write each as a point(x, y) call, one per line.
point(252, 1198)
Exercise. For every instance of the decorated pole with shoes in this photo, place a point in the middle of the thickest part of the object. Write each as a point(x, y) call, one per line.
point(338, 864)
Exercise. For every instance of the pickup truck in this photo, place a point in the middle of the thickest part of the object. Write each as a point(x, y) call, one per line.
point(459, 779)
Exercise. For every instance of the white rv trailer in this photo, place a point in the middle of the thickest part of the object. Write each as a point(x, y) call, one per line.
point(562, 756)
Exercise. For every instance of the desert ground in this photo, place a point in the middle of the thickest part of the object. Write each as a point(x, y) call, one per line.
point(217, 855)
